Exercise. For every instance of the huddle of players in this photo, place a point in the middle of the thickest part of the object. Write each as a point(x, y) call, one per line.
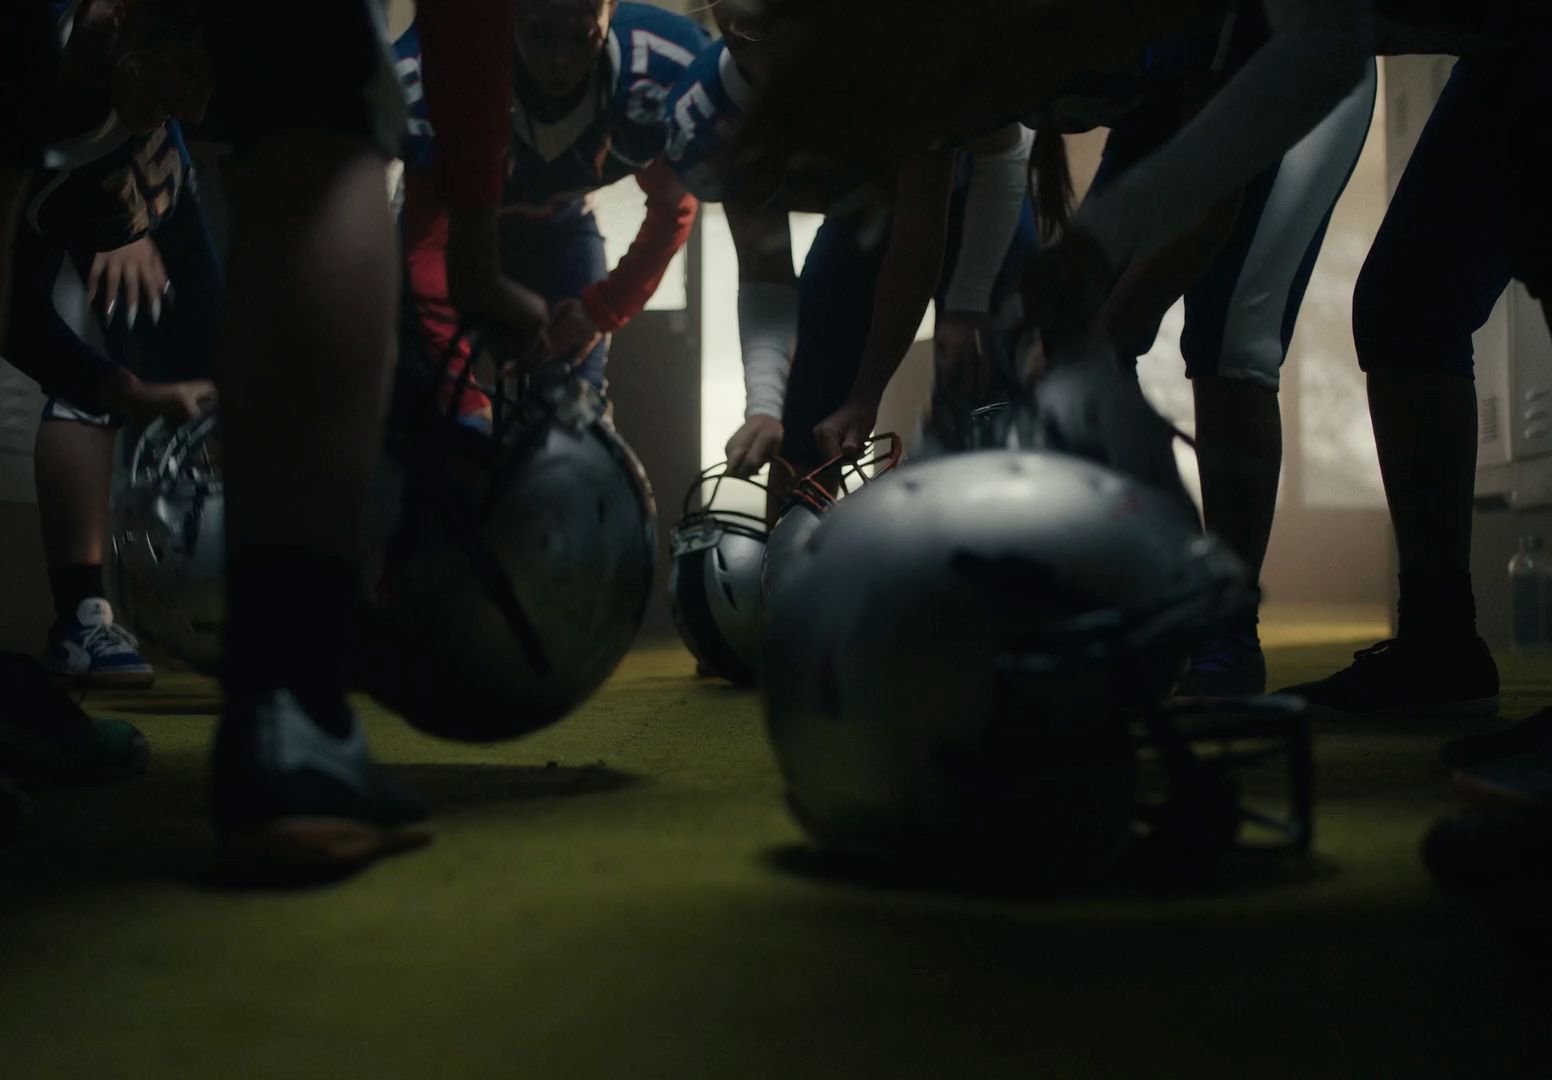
point(504, 144)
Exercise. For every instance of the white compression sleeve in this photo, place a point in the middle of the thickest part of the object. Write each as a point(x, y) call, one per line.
point(1319, 51)
point(768, 333)
point(999, 185)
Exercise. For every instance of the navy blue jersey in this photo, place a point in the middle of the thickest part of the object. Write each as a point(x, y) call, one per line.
point(101, 186)
point(1215, 46)
point(417, 144)
point(616, 129)
point(704, 114)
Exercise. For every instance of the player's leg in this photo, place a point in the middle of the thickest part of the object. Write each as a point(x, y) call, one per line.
point(1240, 318)
point(304, 368)
point(1437, 267)
point(73, 460)
point(835, 312)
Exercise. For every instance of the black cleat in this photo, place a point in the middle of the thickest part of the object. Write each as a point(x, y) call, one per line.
point(294, 804)
point(1398, 678)
point(1531, 733)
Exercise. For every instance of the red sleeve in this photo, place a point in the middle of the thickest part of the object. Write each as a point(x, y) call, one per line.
point(466, 67)
point(425, 267)
point(619, 298)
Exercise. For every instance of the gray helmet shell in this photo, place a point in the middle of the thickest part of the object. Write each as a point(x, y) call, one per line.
point(949, 659)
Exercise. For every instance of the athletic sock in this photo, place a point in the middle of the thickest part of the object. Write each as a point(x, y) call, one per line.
point(1436, 607)
point(71, 584)
point(291, 625)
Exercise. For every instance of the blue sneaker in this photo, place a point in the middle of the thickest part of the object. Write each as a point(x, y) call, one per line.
point(295, 804)
point(1231, 665)
point(91, 651)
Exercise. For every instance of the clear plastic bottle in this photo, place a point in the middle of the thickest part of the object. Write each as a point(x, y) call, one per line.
point(1530, 595)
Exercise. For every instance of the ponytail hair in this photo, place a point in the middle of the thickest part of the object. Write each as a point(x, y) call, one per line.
point(1051, 174)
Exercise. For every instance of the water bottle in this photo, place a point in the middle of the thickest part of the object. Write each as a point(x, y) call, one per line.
point(1530, 595)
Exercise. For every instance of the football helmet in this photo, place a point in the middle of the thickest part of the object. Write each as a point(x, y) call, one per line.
point(511, 569)
point(813, 495)
point(714, 586)
point(982, 686)
point(167, 575)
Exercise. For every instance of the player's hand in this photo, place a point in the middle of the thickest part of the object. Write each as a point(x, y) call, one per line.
point(844, 432)
point(753, 445)
point(572, 333)
point(144, 401)
point(962, 357)
point(133, 274)
point(516, 320)
point(1065, 286)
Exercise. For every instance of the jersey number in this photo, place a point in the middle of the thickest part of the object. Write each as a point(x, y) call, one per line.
point(648, 97)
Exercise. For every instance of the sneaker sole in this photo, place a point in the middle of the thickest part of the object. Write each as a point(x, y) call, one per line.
point(292, 850)
point(1479, 709)
point(118, 680)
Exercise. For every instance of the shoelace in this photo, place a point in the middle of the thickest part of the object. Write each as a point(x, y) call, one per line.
point(109, 638)
point(1376, 651)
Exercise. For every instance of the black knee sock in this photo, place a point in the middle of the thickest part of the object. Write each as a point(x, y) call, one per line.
point(1436, 606)
point(291, 625)
point(72, 584)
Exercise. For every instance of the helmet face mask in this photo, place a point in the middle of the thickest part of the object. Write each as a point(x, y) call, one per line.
point(168, 537)
point(718, 551)
point(812, 496)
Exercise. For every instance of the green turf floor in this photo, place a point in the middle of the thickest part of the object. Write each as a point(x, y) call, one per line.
point(615, 897)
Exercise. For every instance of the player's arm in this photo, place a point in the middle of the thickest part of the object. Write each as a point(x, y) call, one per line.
point(907, 279)
point(1318, 52)
point(607, 305)
point(994, 204)
point(466, 68)
point(767, 328)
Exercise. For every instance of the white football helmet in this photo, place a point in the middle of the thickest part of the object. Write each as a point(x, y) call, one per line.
point(714, 587)
point(167, 575)
point(955, 661)
point(511, 570)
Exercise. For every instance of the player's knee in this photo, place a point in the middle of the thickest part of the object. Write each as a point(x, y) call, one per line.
point(1254, 360)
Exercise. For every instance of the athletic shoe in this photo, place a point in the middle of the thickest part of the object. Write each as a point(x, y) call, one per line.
point(293, 803)
point(1520, 780)
point(1231, 665)
point(46, 738)
point(90, 650)
point(1531, 733)
point(1396, 677)
point(1490, 850)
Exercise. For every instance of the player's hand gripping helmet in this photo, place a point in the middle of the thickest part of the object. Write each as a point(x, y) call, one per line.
point(813, 496)
point(512, 568)
point(168, 572)
point(961, 665)
point(714, 588)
